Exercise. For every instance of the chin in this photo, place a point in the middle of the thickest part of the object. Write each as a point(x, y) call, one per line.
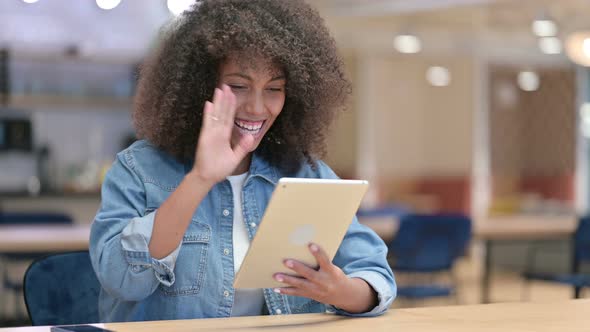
point(257, 140)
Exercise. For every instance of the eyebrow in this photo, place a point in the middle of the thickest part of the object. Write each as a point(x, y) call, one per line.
point(276, 78)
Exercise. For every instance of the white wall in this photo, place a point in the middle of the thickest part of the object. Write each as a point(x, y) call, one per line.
point(409, 127)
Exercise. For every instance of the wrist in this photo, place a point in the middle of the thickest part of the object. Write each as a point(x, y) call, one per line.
point(195, 178)
point(364, 295)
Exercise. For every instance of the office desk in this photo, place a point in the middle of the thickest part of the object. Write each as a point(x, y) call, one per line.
point(27, 239)
point(43, 238)
point(385, 226)
point(39, 240)
point(524, 227)
point(491, 230)
point(518, 228)
point(55, 238)
point(506, 317)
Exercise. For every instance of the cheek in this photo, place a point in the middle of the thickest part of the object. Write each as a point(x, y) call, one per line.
point(240, 100)
point(276, 106)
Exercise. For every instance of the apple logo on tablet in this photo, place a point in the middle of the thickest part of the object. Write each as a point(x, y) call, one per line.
point(302, 235)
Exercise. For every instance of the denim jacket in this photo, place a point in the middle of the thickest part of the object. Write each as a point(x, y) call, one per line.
point(195, 280)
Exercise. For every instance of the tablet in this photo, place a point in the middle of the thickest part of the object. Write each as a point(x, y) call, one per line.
point(300, 211)
point(78, 328)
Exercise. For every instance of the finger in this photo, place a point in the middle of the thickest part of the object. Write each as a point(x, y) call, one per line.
point(208, 116)
point(218, 106)
point(294, 281)
point(216, 100)
point(302, 269)
point(222, 106)
point(291, 291)
point(212, 114)
point(320, 256)
point(230, 105)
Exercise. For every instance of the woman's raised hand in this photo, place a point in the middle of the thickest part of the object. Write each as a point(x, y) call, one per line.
point(215, 157)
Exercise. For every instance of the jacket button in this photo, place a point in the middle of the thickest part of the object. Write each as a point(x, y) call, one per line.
point(226, 251)
point(225, 293)
point(252, 224)
point(226, 212)
point(278, 311)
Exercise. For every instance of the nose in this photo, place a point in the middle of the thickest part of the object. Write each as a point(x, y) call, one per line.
point(256, 103)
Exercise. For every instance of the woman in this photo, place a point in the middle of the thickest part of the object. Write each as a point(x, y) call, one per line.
point(239, 94)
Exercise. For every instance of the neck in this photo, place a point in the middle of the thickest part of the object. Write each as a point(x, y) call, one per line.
point(243, 166)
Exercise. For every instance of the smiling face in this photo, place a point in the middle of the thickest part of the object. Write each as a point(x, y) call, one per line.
point(259, 88)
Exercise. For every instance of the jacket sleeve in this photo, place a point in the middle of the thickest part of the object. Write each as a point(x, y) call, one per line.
point(120, 235)
point(363, 254)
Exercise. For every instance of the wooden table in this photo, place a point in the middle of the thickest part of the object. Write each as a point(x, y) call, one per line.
point(27, 239)
point(524, 227)
point(39, 240)
point(491, 230)
point(512, 227)
point(518, 228)
point(385, 226)
point(506, 317)
point(43, 238)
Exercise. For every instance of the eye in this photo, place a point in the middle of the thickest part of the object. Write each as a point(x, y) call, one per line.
point(237, 87)
point(275, 89)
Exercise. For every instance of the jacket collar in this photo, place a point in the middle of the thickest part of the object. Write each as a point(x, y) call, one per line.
point(259, 167)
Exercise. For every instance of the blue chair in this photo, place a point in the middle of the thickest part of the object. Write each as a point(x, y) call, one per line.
point(428, 244)
point(62, 289)
point(393, 210)
point(29, 219)
point(580, 255)
point(34, 218)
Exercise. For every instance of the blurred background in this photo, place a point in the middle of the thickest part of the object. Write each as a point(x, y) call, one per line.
point(478, 108)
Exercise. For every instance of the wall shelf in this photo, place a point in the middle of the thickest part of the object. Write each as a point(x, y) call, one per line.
point(74, 103)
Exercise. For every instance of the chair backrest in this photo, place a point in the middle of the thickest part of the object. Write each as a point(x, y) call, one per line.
point(582, 241)
point(428, 243)
point(393, 210)
point(34, 218)
point(62, 289)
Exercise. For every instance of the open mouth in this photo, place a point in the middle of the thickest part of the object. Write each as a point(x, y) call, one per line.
point(249, 127)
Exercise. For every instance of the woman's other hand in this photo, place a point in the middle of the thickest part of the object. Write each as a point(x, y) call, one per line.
point(327, 284)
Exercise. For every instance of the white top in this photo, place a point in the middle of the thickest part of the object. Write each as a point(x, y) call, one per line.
point(247, 302)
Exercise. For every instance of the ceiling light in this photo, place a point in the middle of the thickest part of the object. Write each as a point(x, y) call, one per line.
point(585, 116)
point(577, 46)
point(586, 47)
point(506, 94)
point(407, 44)
point(585, 112)
point(544, 28)
point(528, 80)
point(177, 7)
point(107, 4)
point(438, 76)
point(30, 1)
point(550, 45)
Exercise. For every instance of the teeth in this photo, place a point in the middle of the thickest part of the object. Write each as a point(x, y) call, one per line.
point(248, 126)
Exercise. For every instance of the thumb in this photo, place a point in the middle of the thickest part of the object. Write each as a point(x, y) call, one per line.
point(244, 146)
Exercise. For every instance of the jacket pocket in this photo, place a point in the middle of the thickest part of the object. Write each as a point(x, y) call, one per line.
point(191, 264)
point(303, 305)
